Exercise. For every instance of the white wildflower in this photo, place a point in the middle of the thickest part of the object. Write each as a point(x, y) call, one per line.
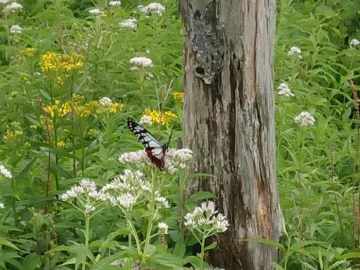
point(285, 90)
point(305, 119)
point(205, 218)
point(126, 200)
point(354, 42)
point(115, 3)
point(105, 101)
point(141, 61)
point(13, 7)
point(129, 23)
point(89, 208)
point(4, 1)
point(136, 157)
point(5, 172)
point(145, 120)
point(293, 50)
point(16, 29)
point(220, 223)
point(149, 75)
point(134, 68)
point(95, 11)
point(163, 227)
point(2, 206)
point(152, 8)
point(86, 186)
point(162, 201)
point(177, 159)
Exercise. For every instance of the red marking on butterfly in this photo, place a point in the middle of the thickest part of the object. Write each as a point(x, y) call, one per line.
point(154, 149)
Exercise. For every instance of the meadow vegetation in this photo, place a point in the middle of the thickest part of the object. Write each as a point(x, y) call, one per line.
point(77, 193)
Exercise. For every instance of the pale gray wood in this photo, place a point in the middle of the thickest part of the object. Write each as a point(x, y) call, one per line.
point(229, 121)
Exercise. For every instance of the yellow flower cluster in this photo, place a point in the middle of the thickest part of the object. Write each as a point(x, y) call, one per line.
point(84, 110)
point(66, 62)
point(13, 132)
point(178, 96)
point(28, 52)
point(156, 117)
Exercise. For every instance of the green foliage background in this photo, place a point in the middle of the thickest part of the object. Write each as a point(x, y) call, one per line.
point(317, 166)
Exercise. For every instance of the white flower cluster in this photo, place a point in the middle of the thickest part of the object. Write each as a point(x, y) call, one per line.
point(114, 3)
point(16, 29)
point(305, 119)
point(163, 227)
point(354, 42)
point(105, 101)
point(204, 218)
point(13, 7)
point(141, 62)
point(2, 206)
point(145, 120)
point(5, 172)
point(135, 158)
point(86, 187)
point(284, 90)
point(129, 23)
point(174, 160)
point(95, 11)
point(294, 50)
point(177, 159)
point(130, 188)
point(152, 8)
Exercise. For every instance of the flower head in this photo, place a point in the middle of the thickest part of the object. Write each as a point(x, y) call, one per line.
point(136, 157)
point(305, 119)
point(204, 218)
point(105, 101)
point(5, 172)
point(152, 8)
point(177, 159)
point(95, 11)
point(2, 206)
point(354, 42)
point(16, 29)
point(115, 3)
point(163, 227)
point(285, 90)
point(129, 23)
point(13, 7)
point(141, 62)
point(145, 120)
point(293, 50)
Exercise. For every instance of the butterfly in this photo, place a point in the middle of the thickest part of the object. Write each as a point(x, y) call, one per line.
point(154, 149)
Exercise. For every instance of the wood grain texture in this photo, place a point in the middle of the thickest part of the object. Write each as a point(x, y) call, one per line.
point(229, 121)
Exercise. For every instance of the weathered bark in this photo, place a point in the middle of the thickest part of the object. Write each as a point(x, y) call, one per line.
point(229, 121)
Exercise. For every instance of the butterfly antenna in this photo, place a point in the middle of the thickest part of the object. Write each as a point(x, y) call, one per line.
point(170, 135)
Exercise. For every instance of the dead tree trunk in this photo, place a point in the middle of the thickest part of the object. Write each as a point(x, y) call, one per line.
point(229, 121)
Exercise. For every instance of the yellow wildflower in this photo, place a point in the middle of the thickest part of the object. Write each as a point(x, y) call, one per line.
point(10, 134)
point(178, 96)
point(61, 143)
point(49, 62)
point(156, 117)
point(115, 107)
point(59, 81)
point(15, 124)
point(28, 52)
point(66, 62)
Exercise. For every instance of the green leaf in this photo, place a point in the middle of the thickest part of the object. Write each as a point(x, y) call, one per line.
point(25, 170)
point(211, 246)
point(268, 242)
point(5, 242)
point(202, 195)
point(179, 249)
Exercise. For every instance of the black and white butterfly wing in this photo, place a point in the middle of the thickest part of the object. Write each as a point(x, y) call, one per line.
point(154, 149)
